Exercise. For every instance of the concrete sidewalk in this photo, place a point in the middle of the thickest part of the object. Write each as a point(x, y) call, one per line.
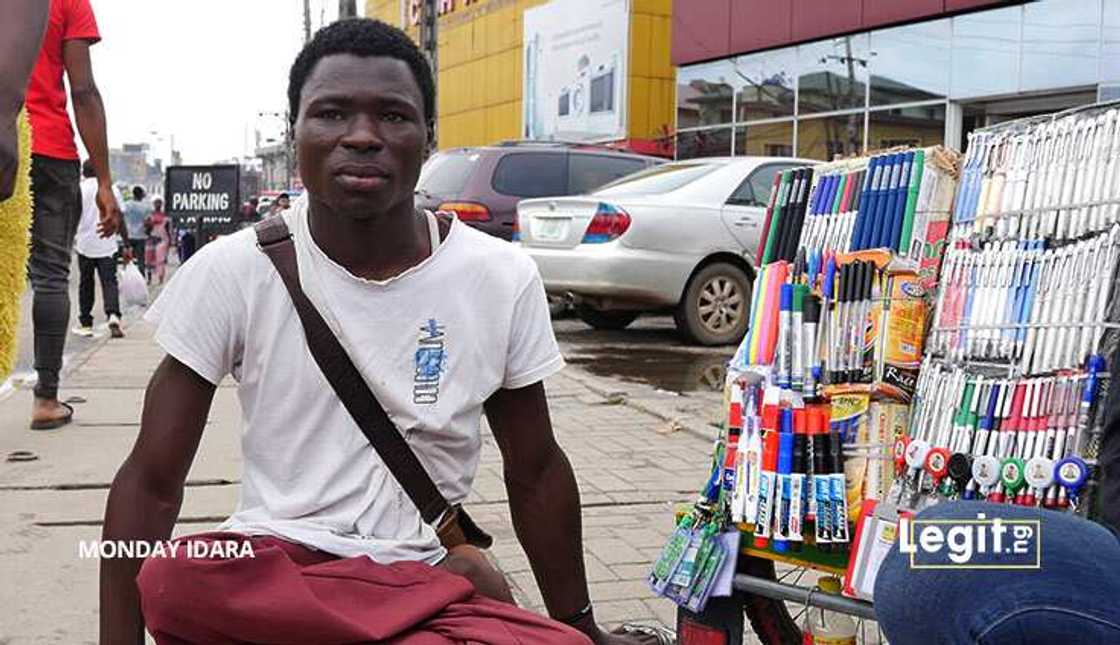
point(630, 466)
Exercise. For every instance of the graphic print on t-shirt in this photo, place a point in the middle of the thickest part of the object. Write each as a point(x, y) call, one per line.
point(431, 361)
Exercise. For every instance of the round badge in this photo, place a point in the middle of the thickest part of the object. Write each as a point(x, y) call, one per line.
point(1040, 472)
point(900, 450)
point(985, 470)
point(1011, 473)
point(1071, 472)
point(937, 462)
point(916, 452)
point(959, 468)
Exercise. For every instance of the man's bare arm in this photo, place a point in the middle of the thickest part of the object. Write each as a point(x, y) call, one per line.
point(147, 492)
point(21, 30)
point(89, 112)
point(543, 498)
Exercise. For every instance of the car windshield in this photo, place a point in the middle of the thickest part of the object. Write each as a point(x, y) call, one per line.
point(445, 174)
point(659, 179)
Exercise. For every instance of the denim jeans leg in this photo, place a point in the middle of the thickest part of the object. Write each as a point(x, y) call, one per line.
point(86, 269)
point(1071, 598)
point(57, 209)
point(107, 272)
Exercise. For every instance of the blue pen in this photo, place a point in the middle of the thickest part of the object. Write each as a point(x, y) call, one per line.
point(982, 436)
point(882, 205)
point(864, 204)
point(785, 467)
point(878, 201)
point(785, 337)
point(898, 202)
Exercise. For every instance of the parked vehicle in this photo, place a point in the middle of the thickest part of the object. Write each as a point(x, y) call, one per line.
point(679, 237)
point(483, 185)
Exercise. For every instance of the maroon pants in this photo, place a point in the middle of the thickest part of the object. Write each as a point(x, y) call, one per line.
point(288, 594)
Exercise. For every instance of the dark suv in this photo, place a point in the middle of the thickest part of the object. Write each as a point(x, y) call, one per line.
point(483, 185)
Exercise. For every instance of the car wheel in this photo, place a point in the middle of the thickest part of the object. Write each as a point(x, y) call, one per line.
point(715, 308)
point(605, 319)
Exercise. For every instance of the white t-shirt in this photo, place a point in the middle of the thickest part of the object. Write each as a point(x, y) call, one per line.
point(87, 241)
point(433, 344)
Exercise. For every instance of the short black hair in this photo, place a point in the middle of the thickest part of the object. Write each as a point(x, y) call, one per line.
point(283, 196)
point(87, 168)
point(361, 37)
point(138, 192)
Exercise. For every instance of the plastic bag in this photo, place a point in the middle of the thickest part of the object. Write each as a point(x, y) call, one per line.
point(133, 287)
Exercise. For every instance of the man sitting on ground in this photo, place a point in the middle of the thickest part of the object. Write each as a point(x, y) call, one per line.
point(443, 323)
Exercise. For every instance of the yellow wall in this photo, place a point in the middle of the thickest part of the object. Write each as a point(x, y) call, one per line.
point(480, 58)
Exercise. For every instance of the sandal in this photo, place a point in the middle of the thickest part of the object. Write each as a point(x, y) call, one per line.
point(22, 455)
point(51, 424)
point(655, 634)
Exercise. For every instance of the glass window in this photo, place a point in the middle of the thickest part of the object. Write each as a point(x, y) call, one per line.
point(1110, 48)
point(986, 53)
point(833, 74)
point(765, 140)
point(755, 190)
point(830, 137)
point(714, 142)
point(704, 94)
point(764, 84)
point(446, 174)
point(588, 172)
point(660, 179)
point(910, 63)
point(912, 126)
point(532, 174)
point(1061, 43)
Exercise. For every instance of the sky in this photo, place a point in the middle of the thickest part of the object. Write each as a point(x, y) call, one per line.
point(198, 71)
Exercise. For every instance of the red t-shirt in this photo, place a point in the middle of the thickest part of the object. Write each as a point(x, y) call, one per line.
point(51, 132)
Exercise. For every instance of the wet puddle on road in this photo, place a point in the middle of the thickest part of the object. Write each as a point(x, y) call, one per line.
point(663, 369)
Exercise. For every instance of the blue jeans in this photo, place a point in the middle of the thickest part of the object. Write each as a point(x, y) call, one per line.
point(1073, 598)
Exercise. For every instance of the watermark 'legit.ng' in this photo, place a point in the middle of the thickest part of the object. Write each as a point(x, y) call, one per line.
point(971, 544)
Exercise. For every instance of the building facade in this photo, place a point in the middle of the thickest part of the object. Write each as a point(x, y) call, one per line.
point(587, 70)
point(821, 78)
point(130, 167)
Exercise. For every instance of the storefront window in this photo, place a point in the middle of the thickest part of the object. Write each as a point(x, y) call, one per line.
point(830, 137)
point(1061, 43)
point(910, 63)
point(986, 53)
point(764, 84)
point(833, 74)
point(704, 94)
point(911, 126)
point(1110, 47)
point(764, 140)
point(711, 142)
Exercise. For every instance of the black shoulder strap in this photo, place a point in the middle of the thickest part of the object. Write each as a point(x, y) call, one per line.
point(275, 240)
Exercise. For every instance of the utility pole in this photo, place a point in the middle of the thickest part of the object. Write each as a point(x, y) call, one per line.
point(429, 33)
point(347, 9)
point(306, 21)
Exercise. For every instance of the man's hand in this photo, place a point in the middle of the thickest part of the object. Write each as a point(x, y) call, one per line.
point(110, 220)
point(588, 626)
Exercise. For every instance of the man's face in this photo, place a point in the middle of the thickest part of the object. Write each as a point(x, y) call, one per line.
point(361, 134)
point(283, 203)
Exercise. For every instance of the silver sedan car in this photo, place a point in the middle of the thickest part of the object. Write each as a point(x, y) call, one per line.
point(679, 237)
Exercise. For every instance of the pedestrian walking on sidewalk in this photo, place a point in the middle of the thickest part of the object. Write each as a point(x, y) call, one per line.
point(136, 213)
point(96, 254)
point(436, 323)
point(55, 176)
point(158, 228)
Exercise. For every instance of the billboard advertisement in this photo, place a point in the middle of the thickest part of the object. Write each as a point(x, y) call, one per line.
point(575, 70)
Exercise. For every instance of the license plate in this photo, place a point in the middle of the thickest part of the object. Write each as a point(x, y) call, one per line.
point(550, 230)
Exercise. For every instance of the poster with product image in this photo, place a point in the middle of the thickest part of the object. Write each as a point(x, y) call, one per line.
point(575, 70)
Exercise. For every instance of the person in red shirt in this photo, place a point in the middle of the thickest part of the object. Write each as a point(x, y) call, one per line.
point(71, 29)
